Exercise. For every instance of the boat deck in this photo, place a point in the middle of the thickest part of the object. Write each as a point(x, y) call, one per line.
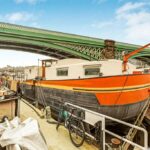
point(55, 140)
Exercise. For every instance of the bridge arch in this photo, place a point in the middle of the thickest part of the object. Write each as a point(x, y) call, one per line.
point(58, 45)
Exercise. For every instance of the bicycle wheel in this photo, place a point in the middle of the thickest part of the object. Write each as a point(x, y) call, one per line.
point(76, 132)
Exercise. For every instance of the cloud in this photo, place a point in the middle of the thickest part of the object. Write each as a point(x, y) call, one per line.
point(22, 18)
point(28, 1)
point(138, 26)
point(130, 7)
point(18, 16)
point(135, 19)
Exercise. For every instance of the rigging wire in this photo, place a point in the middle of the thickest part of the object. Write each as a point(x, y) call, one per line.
point(127, 76)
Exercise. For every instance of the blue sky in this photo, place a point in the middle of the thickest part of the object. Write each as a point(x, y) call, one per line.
point(121, 20)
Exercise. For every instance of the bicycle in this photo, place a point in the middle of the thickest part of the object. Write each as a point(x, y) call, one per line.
point(74, 123)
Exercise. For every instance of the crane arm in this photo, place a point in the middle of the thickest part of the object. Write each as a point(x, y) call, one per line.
point(127, 56)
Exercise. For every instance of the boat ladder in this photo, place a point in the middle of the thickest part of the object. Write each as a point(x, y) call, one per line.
point(132, 132)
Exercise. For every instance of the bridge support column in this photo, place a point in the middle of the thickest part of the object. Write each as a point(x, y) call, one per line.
point(109, 50)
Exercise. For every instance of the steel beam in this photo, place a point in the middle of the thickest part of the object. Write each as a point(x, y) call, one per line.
point(60, 45)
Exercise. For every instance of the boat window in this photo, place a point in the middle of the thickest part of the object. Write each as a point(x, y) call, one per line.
point(92, 71)
point(62, 72)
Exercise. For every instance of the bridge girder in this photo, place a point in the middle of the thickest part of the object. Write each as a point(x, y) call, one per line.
point(59, 45)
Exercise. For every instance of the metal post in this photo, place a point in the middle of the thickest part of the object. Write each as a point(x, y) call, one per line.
point(37, 101)
point(145, 139)
point(18, 107)
point(38, 68)
point(103, 131)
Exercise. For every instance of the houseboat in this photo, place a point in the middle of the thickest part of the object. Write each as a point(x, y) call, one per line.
point(100, 86)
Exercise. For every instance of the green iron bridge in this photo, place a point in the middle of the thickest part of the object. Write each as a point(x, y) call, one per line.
point(61, 45)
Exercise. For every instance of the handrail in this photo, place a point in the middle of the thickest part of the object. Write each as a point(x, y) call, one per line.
point(103, 117)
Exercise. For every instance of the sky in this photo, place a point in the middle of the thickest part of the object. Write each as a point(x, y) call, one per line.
point(120, 20)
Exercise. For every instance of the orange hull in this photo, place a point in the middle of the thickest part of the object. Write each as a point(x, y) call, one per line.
point(110, 91)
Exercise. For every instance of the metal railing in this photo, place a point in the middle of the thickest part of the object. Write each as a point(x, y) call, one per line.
point(92, 117)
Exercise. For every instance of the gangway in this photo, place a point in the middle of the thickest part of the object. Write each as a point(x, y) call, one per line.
point(92, 118)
